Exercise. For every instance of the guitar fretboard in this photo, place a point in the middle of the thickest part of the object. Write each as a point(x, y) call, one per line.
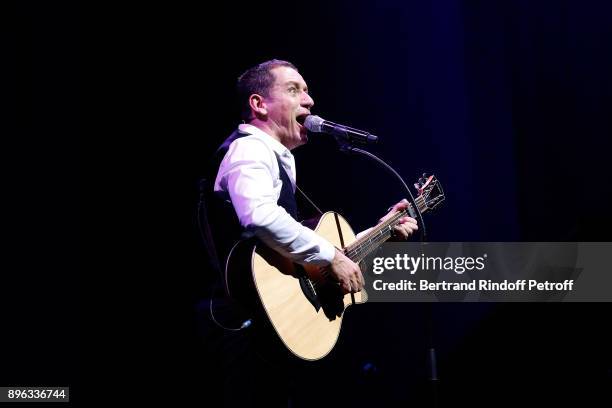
point(361, 248)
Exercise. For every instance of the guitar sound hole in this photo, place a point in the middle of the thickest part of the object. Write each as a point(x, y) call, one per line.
point(332, 300)
point(307, 287)
point(326, 296)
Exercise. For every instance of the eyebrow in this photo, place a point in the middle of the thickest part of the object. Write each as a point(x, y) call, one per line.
point(297, 85)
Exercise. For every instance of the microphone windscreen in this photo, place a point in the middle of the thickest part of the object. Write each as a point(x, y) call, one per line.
point(313, 123)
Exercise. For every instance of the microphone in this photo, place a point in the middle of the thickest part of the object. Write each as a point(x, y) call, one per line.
point(317, 124)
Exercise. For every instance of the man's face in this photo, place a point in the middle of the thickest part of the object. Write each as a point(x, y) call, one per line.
point(288, 104)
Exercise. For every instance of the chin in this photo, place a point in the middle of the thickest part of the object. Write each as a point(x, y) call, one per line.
point(303, 140)
point(304, 135)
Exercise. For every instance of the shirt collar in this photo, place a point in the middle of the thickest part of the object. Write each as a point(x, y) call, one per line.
point(269, 140)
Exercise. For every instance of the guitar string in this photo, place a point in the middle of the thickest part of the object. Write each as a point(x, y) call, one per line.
point(420, 202)
point(364, 245)
point(380, 237)
point(358, 252)
point(363, 250)
point(349, 248)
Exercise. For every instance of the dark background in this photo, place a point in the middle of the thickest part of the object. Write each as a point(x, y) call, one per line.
point(507, 102)
point(40, 333)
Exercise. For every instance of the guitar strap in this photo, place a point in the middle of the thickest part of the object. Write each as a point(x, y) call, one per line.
point(283, 201)
point(308, 200)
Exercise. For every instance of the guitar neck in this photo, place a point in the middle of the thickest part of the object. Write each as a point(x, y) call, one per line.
point(365, 245)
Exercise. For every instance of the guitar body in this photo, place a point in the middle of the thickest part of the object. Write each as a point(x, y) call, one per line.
point(304, 308)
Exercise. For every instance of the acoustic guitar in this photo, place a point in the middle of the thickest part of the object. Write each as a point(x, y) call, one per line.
point(304, 306)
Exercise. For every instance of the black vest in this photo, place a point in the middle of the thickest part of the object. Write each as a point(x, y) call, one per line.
point(223, 221)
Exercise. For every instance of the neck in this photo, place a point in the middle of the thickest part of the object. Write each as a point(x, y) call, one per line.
point(365, 245)
point(267, 128)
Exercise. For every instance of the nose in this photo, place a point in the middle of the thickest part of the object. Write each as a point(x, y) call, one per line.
point(307, 101)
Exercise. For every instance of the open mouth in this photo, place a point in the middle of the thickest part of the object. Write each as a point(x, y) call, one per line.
point(301, 118)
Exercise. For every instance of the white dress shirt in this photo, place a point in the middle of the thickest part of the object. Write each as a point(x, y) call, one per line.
point(249, 177)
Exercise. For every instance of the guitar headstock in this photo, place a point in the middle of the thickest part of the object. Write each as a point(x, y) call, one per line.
point(430, 192)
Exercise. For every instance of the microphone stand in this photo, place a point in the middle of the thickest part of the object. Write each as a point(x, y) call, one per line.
point(345, 146)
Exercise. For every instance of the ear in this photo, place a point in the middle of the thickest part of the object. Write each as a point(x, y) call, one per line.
point(258, 105)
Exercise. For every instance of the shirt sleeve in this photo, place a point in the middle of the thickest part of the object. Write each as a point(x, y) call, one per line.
point(248, 174)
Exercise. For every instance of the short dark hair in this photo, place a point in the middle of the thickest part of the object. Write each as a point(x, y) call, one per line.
point(257, 80)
